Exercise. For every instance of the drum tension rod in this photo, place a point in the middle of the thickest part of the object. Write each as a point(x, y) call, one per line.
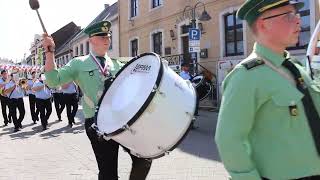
point(155, 88)
point(191, 115)
point(101, 136)
point(163, 149)
point(127, 127)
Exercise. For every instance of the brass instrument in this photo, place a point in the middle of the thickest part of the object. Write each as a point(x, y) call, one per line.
point(23, 83)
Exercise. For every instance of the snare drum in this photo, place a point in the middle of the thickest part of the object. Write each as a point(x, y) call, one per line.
point(202, 86)
point(148, 108)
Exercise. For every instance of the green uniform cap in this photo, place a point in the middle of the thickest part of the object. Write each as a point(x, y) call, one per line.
point(101, 28)
point(252, 9)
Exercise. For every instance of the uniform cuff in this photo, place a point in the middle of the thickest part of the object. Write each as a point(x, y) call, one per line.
point(251, 175)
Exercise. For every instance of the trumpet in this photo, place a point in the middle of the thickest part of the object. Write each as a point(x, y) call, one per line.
point(23, 83)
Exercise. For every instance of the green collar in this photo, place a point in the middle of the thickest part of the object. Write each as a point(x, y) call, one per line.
point(268, 54)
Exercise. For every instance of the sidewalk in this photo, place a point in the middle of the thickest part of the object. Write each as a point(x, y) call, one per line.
point(63, 153)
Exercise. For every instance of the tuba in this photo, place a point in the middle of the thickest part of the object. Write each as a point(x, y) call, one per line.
point(313, 54)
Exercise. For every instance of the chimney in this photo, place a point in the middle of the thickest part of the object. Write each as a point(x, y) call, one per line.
point(106, 6)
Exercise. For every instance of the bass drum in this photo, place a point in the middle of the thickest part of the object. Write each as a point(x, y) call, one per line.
point(203, 87)
point(148, 108)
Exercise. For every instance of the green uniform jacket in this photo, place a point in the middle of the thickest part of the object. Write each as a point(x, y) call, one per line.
point(85, 72)
point(256, 134)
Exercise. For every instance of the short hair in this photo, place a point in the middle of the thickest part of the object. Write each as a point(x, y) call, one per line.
point(3, 71)
point(185, 64)
point(33, 72)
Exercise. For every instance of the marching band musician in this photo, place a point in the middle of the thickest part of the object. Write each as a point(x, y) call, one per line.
point(58, 101)
point(70, 99)
point(268, 124)
point(90, 73)
point(4, 99)
point(15, 94)
point(43, 100)
point(32, 98)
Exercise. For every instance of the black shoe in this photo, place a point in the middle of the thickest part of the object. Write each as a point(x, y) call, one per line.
point(16, 130)
point(34, 122)
point(9, 121)
point(20, 126)
point(44, 128)
point(70, 125)
point(73, 122)
point(59, 120)
point(6, 124)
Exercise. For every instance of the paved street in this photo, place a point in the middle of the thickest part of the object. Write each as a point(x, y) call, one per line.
point(63, 153)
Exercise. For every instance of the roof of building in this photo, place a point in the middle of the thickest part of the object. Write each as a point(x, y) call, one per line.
point(63, 34)
point(108, 11)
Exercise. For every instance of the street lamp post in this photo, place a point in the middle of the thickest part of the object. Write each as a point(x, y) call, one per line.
point(204, 17)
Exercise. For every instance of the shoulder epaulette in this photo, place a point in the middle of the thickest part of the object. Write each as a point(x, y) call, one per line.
point(252, 63)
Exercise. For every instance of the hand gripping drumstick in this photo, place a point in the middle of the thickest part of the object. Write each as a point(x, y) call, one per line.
point(34, 4)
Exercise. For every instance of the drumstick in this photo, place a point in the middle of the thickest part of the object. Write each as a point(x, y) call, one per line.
point(34, 4)
point(312, 47)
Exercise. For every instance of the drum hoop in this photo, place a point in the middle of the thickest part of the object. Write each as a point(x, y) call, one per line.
point(146, 103)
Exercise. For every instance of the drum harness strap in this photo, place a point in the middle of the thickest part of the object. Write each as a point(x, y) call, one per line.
point(309, 108)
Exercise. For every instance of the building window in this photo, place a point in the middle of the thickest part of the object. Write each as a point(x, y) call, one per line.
point(87, 47)
point(133, 8)
point(81, 49)
point(305, 33)
point(156, 3)
point(185, 29)
point(77, 51)
point(157, 42)
point(233, 35)
point(134, 47)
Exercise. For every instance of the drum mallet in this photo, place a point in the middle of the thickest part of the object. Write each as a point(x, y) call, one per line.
point(34, 4)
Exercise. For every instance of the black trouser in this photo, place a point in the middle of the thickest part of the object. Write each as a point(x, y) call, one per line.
point(71, 102)
point(4, 104)
point(58, 104)
point(45, 108)
point(33, 109)
point(305, 178)
point(14, 105)
point(106, 153)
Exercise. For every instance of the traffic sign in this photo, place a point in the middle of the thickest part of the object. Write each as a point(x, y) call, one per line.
point(194, 49)
point(194, 34)
point(194, 40)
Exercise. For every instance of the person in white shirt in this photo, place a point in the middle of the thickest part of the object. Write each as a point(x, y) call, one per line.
point(15, 94)
point(4, 99)
point(70, 98)
point(32, 98)
point(58, 101)
point(43, 100)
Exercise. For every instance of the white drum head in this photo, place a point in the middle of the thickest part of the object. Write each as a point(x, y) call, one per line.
point(128, 93)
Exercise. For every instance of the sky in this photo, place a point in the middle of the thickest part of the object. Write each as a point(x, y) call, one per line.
point(19, 23)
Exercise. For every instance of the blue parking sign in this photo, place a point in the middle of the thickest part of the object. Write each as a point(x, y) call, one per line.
point(194, 34)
